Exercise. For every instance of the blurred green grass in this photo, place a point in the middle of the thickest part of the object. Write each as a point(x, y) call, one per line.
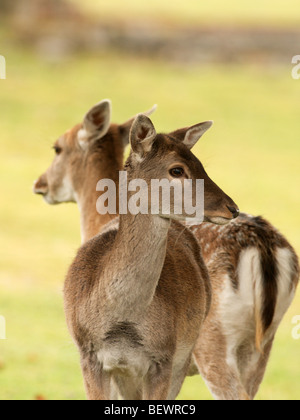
point(193, 12)
point(252, 153)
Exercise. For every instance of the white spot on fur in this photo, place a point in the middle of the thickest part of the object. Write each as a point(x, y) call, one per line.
point(207, 247)
point(83, 138)
point(119, 360)
point(63, 194)
point(66, 192)
point(138, 158)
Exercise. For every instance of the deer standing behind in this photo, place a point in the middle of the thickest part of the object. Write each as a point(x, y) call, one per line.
point(136, 296)
point(246, 252)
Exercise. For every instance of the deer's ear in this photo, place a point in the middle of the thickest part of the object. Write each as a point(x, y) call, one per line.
point(142, 135)
point(126, 127)
point(96, 123)
point(190, 136)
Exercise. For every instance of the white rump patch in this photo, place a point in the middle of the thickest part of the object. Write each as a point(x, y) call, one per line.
point(236, 307)
point(286, 289)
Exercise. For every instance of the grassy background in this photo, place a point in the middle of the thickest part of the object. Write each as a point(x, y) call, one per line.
point(252, 153)
point(190, 12)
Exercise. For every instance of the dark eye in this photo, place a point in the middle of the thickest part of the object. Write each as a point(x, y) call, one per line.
point(177, 172)
point(57, 150)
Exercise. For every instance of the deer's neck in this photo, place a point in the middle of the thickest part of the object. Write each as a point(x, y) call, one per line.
point(104, 164)
point(136, 262)
point(91, 222)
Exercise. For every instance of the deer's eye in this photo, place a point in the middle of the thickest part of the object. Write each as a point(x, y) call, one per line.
point(57, 150)
point(177, 172)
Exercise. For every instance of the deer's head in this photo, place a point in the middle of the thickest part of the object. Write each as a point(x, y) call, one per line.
point(83, 150)
point(168, 156)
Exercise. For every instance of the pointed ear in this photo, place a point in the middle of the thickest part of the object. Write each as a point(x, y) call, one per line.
point(126, 127)
point(96, 123)
point(190, 136)
point(142, 135)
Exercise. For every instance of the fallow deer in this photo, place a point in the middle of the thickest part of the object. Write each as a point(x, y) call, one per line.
point(136, 296)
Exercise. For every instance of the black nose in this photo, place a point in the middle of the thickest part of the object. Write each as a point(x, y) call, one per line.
point(235, 212)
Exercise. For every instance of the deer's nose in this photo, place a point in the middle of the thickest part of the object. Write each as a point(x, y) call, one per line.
point(234, 210)
point(40, 186)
